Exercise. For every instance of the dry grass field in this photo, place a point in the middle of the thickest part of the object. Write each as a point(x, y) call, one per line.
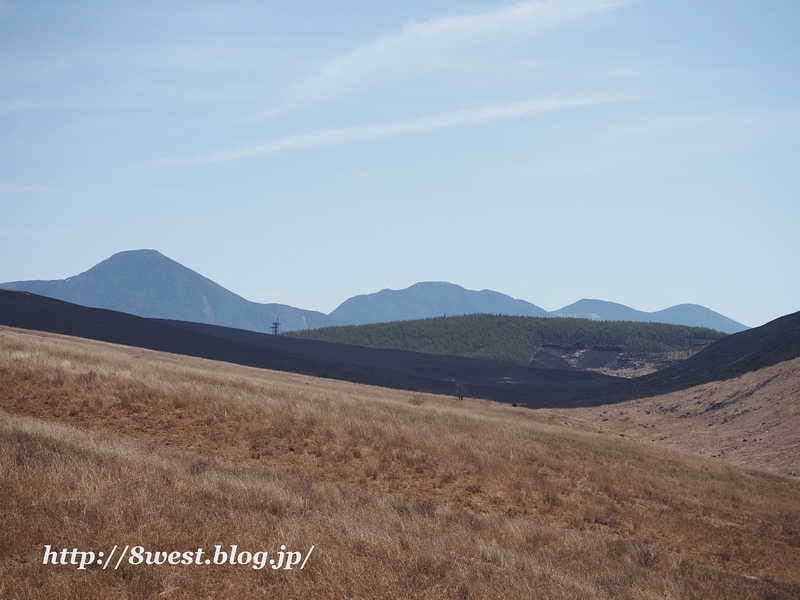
point(402, 495)
point(752, 420)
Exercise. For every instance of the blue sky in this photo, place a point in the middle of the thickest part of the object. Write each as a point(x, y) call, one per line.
point(643, 152)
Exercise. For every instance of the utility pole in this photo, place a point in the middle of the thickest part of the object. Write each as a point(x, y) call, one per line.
point(276, 327)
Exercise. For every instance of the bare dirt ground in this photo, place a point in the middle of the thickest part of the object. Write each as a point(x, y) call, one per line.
point(610, 362)
point(752, 420)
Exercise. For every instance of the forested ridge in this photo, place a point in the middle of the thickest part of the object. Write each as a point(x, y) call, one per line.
point(516, 339)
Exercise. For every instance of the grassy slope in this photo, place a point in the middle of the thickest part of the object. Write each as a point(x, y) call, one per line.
point(753, 419)
point(403, 496)
point(516, 339)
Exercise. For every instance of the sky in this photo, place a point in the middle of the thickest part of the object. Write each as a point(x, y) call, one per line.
point(645, 152)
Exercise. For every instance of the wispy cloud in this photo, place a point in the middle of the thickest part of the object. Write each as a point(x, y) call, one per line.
point(421, 45)
point(327, 137)
point(17, 105)
point(6, 188)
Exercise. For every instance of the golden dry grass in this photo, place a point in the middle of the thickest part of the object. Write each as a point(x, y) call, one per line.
point(404, 495)
point(752, 420)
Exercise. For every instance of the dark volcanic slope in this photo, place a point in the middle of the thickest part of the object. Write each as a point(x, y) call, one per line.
point(730, 357)
point(389, 368)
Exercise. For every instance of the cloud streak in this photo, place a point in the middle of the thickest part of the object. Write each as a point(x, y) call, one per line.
point(419, 46)
point(31, 189)
point(328, 137)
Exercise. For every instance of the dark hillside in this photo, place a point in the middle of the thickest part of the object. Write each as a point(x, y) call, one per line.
point(388, 368)
point(524, 340)
point(730, 357)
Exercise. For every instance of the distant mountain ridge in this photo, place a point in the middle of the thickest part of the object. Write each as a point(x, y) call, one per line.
point(681, 314)
point(148, 284)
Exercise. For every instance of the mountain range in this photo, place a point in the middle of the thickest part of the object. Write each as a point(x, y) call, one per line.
point(680, 314)
point(148, 284)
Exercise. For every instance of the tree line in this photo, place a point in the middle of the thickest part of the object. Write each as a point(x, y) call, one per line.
point(515, 340)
